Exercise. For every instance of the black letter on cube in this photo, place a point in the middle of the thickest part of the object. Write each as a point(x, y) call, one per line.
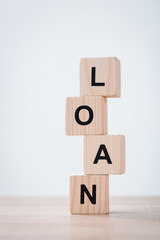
point(77, 115)
point(85, 190)
point(106, 155)
point(93, 83)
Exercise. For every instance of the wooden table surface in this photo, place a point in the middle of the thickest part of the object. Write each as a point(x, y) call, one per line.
point(49, 218)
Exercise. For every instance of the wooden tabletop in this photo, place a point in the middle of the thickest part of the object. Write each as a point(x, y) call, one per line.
point(49, 218)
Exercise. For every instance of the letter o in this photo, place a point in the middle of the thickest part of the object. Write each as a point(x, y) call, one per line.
point(77, 115)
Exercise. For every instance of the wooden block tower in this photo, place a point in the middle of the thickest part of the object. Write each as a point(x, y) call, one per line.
point(87, 116)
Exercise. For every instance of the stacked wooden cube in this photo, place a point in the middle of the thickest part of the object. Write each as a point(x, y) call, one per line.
point(87, 116)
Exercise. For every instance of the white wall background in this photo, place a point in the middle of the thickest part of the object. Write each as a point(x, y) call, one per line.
point(41, 43)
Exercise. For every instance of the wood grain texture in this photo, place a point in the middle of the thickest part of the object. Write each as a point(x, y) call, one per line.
point(130, 218)
point(102, 194)
point(115, 145)
point(99, 124)
point(107, 71)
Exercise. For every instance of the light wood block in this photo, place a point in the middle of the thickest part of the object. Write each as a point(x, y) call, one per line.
point(104, 154)
point(98, 188)
point(95, 123)
point(100, 77)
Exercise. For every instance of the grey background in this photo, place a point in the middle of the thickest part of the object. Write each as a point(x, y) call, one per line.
point(41, 43)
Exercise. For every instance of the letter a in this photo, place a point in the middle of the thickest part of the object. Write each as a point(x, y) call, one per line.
point(106, 155)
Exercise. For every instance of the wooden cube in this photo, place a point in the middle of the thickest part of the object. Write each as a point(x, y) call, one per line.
point(89, 194)
point(100, 77)
point(86, 115)
point(104, 154)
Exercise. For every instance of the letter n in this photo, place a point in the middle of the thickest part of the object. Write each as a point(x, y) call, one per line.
point(92, 197)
